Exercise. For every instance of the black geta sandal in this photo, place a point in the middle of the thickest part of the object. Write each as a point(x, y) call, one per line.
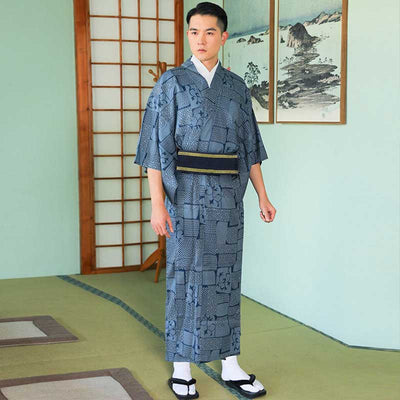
point(251, 395)
point(183, 382)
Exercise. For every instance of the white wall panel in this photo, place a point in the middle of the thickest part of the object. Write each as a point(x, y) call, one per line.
point(104, 7)
point(129, 29)
point(105, 52)
point(105, 75)
point(129, 8)
point(106, 144)
point(166, 9)
point(104, 28)
point(107, 189)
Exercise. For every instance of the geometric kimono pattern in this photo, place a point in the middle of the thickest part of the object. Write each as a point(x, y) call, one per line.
point(204, 253)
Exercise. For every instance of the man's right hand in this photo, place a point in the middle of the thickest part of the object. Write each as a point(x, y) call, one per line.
point(159, 218)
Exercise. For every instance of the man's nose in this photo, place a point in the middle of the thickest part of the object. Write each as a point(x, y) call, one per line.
point(201, 38)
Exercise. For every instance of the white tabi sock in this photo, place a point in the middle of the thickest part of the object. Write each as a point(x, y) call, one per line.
point(182, 371)
point(231, 371)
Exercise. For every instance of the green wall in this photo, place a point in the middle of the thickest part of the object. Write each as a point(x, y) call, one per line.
point(39, 223)
point(331, 257)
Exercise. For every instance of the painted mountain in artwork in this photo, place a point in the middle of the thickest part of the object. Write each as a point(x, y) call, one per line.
point(309, 63)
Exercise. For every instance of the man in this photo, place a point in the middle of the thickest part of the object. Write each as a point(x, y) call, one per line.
point(200, 142)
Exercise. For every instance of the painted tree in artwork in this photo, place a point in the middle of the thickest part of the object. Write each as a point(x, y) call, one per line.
point(251, 76)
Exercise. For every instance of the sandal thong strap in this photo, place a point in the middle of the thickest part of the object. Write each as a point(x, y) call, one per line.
point(183, 381)
point(245, 381)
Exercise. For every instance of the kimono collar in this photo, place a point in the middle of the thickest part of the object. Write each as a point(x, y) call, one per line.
point(200, 81)
point(203, 70)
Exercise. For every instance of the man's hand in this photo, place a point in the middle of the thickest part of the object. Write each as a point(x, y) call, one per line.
point(267, 210)
point(159, 213)
point(159, 218)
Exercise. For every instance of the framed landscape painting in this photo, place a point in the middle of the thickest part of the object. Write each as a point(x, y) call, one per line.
point(311, 61)
point(249, 51)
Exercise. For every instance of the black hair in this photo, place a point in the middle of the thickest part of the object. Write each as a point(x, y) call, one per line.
point(207, 8)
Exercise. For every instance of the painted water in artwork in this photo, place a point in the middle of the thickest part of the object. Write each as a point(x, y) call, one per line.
point(309, 50)
point(246, 52)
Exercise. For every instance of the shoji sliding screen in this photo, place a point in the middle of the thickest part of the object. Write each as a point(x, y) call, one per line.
point(120, 45)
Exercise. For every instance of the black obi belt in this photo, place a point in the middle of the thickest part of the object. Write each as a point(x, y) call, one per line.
point(207, 163)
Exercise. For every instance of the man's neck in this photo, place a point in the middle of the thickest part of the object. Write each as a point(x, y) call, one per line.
point(210, 64)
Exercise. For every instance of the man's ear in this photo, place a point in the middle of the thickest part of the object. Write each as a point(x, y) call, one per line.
point(225, 36)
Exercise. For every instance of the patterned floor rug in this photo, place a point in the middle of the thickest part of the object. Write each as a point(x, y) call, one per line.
point(107, 384)
point(42, 329)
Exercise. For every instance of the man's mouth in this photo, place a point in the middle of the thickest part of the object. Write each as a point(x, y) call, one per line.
point(201, 50)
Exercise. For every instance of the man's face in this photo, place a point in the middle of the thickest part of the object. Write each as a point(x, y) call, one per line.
point(205, 36)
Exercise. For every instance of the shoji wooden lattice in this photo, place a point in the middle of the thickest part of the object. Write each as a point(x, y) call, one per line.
point(119, 47)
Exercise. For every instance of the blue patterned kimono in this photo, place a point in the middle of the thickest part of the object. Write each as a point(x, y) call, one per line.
point(204, 253)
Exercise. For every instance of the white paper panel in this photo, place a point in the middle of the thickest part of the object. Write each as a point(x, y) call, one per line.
point(108, 189)
point(167, 31)
point(130, 75)
point(147, 77)
point(106, 121)
point(148, 8)
point(131, 121)
point(105, 167)
point(131, 98)
point(145, 96)
point(108, 234)
point(148, 233)
point(132, 255)
point(146, 209)
point(104, 51)
point(149, 53)
point(148, 29)
point(145, 188)
point(166, 9)
point(130, 168)
point(104, 28)
point(148, 249)
point(108, 257)
point(129, 29)
point(131, 189)
point(129, 8)
point(106, 98)
point(105, 75)
point(104, 7)
point(131, 210)
point(107, 144)
point(132, 233)
point(167, 53)
point(130, 52)
point(108, 212)
point(130, 143)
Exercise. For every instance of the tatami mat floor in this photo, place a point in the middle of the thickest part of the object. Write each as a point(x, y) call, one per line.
point(121, 325)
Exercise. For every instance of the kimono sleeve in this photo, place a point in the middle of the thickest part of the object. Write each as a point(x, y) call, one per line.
point(148, 148)
point(254, 146)
point(156, 146)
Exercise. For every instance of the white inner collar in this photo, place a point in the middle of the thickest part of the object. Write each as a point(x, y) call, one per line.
point(202, 69)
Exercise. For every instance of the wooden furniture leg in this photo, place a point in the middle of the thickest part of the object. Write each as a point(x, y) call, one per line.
point(158, 256)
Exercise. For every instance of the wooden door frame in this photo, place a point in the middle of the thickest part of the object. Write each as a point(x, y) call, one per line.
point(85, 139)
